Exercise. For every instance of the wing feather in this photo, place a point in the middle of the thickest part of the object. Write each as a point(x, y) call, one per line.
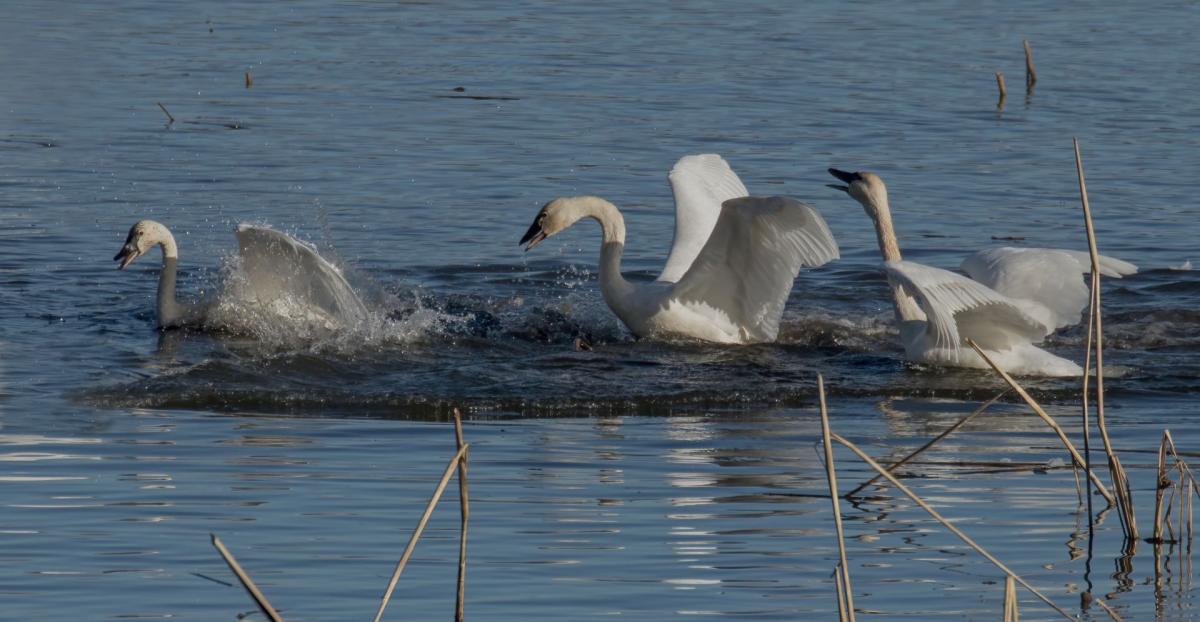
point(747, 267)
point(277, 266)
point(956, 307)
point(1048, 282)
point(701, 183)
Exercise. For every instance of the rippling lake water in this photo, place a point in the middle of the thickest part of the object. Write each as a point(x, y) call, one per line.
point(413, 143)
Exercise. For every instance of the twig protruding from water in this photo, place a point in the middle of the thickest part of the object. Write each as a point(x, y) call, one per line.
point(947, 432)
point(1116, 471)
point(416, 535)
point(464, 513)
point(1003, 90)
point(846, 596)
point(1010, 600)
point(947, 524)
point(1030, 74)
point(257, 596)
point(170, 119)
point(1037, 409)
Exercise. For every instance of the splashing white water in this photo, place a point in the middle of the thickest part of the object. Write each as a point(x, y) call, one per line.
point(289, 324)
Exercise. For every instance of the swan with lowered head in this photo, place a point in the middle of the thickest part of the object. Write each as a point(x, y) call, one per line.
point(277, 271)
point(732, 263)
point(1013, 299)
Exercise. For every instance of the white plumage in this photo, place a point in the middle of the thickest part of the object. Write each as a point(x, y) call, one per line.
point(732, 262)
point(1013, 299)
point(278, 274)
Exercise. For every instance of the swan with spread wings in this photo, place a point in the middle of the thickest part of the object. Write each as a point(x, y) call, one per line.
point(1011, 298)
point(732, 263)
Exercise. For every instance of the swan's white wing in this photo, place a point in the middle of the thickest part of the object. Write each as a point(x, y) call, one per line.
point(956, 307)
point(1109, 266)
point(278, 268)
point(746, 269)
point(1049, 280)
point(701, 183)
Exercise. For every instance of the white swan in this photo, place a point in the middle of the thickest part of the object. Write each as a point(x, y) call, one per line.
point(277, 271)
point(732, 262)
point(1013, 299)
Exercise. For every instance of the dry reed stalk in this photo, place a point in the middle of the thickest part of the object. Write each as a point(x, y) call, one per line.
point(263, 604)
point(1087, 374)
point(464, 513)
point(1103, 605)
point(1003, 90)
point(1010, 600)
point(841, 594)
point(1116, 471)
point(1030, 74)
point(947, 524)
point(831, 476)
point(249, 80)
point(1037, 408)
point(947, 432)
point(416, 535)
point(170, 119)
point(1162, 482)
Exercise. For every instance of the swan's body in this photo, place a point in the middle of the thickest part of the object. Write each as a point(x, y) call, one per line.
point(278, 272)
point(1013, 299)
point(732, 262)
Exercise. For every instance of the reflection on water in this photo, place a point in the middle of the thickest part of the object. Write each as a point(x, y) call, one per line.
point(720, 514)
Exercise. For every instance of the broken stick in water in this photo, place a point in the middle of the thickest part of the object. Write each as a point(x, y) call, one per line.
point(170, 119)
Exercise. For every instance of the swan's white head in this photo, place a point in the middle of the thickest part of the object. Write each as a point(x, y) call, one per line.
point(556, 216)
point(866, 188)
point(143, 236)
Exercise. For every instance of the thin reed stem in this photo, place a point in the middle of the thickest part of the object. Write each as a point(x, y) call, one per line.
point(831, 476)
point(1117, 472)
point(464, 513)
point(948, 525)
point(1030, 73)
point(1003, 90)
point(947, 432)
point(1037, 408)
point(838, 582)
point(255, 594)
point(1112, 614)
point(416, 535)
point(1010, 600)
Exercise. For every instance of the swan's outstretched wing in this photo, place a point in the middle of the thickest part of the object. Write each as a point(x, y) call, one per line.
point(1048, 282)
point(701, 183)
point(277, 267)
point(747, 267)
point(956, 307)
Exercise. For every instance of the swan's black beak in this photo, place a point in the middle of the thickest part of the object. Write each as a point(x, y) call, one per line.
point(128, 253)
point(849, 178)
point(534, 235)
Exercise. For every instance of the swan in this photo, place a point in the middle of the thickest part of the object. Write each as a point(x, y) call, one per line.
point(1013, 298)
point(732, 262)
point(277, 271)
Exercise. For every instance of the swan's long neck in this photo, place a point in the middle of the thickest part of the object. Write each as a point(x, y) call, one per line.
point(169, 311)
point(613, 286)
point(889, 248)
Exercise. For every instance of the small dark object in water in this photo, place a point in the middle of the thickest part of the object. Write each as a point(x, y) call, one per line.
point(1008, 238)
point(170, 119)
point(458, 89)
point(582, 345)
point(249, 80)
point(480, 97)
